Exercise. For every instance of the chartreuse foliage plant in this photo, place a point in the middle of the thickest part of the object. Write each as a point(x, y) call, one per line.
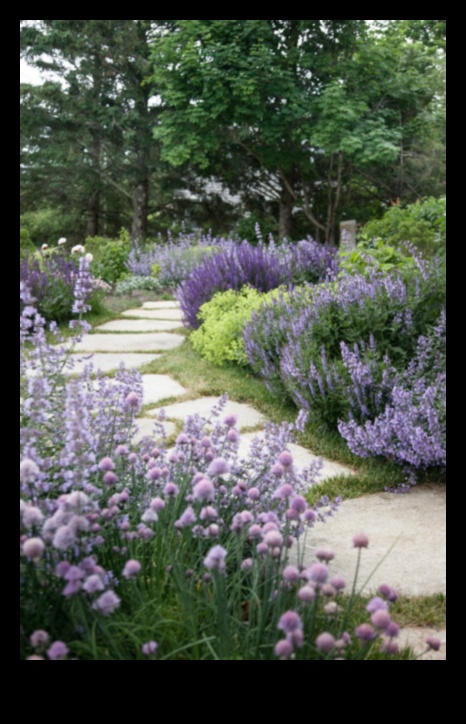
point(220, 336)
point(136, 552)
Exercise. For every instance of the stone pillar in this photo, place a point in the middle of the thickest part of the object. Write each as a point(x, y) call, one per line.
point(347, 235)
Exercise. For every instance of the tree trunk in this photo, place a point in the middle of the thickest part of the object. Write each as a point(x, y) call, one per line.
point(140, 205)
point(285, 220)
point(93, 209)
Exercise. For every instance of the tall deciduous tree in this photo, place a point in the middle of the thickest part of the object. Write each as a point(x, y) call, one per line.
point(316, 105)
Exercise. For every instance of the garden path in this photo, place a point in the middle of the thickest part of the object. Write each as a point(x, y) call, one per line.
point(410, 530)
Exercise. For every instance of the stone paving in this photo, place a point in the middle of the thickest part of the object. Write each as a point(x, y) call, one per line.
point(173, 314)
point(138, 325)
point(151, 342)
point(414, 524)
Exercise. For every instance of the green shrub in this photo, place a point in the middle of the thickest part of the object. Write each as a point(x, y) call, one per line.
point(423, 224)
point(47, 225)
point(380, 256)
point(25, 244)
point(110, 256)
point(219, 338)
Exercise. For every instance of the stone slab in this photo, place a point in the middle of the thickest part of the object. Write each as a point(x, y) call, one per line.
point(138, 325)
point(129, 342)
point(413, 523)
point(146, 427)
point(158, 387)
point(172, 314)
point(161, 305)
point(247, 415)
point(109, 361)
point(415, 639)
point(302, 458)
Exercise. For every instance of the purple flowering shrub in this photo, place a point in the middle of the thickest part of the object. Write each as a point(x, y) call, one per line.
point(52, 280)
point(411, 429)
point(171, 261)
point(261, 267)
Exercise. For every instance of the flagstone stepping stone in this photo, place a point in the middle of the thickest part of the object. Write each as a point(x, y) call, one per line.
point(109, 361)
point(146, 427)
point(158, 387)
point(415, 639)
point(129, 342)
point(413, 523)
point(138, 325)
point(173, 314)
point(247, 415)
point(302, 458)
point(161, 305)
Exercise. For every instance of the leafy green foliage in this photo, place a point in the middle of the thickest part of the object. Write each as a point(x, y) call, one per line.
point(110, 257)
point(379, 255)
point(422, 224)
point(25, 244)
point(219, 338)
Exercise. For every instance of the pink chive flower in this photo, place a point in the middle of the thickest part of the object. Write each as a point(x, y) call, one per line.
point(230, 420)
point(110, 478)
point(170, 489)
point(290, 574)
point(338, 583)
point(131, 568)
point(132, 400)
point(360, 540)
point(149, 648)
point(28, 470)
point(365, 632)
point(433, 643)
point(387, 592)
point(218, 466)
point(187, 518)
point(57, 651)
point(283, 649)
point(376, 604)
point(93, 584)
point(204, 490)
point(106, 464)
point(381, 618)
point(389, 647)
point(39, 638)
point(285, 458)
point(32, 516)
point(290, 621)
point(284, 492)
point(33, 548)
point(317, 573)
point(215, 559)
point(273, 539)
point(306, 594)
point(392, 629)
point(107, 603)
point(324, 554)
point(325, 642)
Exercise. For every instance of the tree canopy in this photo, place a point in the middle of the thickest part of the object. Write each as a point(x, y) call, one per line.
point(306, 121)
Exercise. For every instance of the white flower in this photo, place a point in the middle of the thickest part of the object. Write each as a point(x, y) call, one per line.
point(44, 247)
point(89, 258)
point(78, 249)
point(61, 241)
